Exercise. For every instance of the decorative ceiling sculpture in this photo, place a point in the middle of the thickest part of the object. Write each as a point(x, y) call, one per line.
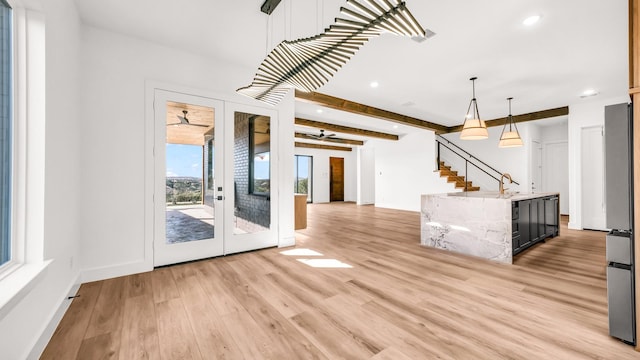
point(307, 64)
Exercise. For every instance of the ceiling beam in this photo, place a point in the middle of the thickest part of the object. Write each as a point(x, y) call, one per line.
point(538, 115)
point(324, 147)
point(345, 129)
point(333, 140)
point(361, 109)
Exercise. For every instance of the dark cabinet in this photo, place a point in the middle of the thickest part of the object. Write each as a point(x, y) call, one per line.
point(524, 223)
point(533, 221)
point(551, 216)
point(542, 233)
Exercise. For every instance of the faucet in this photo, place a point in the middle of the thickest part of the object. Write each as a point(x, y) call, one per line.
point(505, 175)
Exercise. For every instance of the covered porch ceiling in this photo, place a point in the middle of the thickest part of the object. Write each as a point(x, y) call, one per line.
point(200, 123)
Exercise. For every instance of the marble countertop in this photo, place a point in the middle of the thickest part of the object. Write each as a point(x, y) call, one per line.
point(511, 196)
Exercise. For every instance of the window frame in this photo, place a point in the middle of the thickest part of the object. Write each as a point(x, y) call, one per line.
point(310, 179)
point(252, 155)
point(14, 248)
point(27, 266)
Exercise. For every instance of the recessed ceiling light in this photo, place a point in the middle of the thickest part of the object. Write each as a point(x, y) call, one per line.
point(589, 92)
point(319, 111)
point(374, 84)
point(395, 126)
point(531, 20)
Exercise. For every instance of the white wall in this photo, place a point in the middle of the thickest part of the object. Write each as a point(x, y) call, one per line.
point(582, 115)
point(26, 329)
point(405, 170)
point(114, 71)
point(321, 173)
point(555, 133)
point(366, 184)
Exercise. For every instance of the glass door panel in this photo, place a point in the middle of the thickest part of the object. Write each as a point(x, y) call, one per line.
point(187, 224)
point(251, 203)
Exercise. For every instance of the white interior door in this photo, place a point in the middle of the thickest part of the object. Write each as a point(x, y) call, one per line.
point(188, 171)
point(593, 207)
point(251, 196)
point(556, 172)
point(536, 166)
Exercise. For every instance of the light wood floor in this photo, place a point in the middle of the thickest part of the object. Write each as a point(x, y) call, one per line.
point(399, 301)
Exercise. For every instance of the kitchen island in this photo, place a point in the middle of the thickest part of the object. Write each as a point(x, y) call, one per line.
point(490, 225)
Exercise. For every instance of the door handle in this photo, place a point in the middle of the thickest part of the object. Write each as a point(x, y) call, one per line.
point(220, 197)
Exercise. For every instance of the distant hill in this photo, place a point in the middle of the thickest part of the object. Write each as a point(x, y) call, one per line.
point(183, 190)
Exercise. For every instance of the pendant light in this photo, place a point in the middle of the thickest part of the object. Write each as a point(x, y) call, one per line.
point(512, 137)
point(309, 63)
point(474, 128)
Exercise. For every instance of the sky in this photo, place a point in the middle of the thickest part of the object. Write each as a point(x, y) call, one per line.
point(302, 165)
point(261, 166)
point(184, 160)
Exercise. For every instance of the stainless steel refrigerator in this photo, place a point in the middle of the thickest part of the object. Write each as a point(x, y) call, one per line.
point(619, 215)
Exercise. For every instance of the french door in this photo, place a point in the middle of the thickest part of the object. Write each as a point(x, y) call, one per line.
point(251, 199)
point(214, 177)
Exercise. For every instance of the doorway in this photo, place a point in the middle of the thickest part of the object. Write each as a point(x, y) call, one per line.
point(189, 134)
point(556, 172)
point(336, 180)
point(188, 223)
point(592, 174)
point(214, 190)
point(536, 166)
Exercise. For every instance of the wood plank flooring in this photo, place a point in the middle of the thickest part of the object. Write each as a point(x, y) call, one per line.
point(398, 301)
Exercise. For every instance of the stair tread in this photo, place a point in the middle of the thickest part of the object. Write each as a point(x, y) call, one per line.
point(452, 176)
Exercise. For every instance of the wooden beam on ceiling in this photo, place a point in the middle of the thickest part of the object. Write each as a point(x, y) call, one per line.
point(333, 140)
point(345, 129)
point(538, 115)
point(361, 109)
point(319, 146)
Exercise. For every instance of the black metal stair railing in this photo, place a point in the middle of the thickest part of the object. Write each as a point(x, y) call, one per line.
point(468, 159)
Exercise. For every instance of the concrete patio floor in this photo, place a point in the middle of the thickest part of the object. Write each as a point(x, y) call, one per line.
point(188, 223)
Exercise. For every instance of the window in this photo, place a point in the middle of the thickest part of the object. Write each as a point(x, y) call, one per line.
point(6, 132)
point(21, 67)
point(259, 155)
point(303, 168)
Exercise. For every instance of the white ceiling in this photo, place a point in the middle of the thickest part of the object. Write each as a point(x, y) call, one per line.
point(578, 44)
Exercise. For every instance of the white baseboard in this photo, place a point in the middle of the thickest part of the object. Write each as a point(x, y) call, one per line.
point(54, 320)
point(287, 241)
point(574, 226)
point(112, 271)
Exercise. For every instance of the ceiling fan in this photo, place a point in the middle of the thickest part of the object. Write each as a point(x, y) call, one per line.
point(185, 121)
point(322, 136)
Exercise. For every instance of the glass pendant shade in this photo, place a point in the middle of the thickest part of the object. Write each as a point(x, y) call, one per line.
point(510, 137)
point(474, 128)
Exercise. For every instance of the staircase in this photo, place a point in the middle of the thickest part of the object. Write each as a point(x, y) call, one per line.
point(453, 177)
